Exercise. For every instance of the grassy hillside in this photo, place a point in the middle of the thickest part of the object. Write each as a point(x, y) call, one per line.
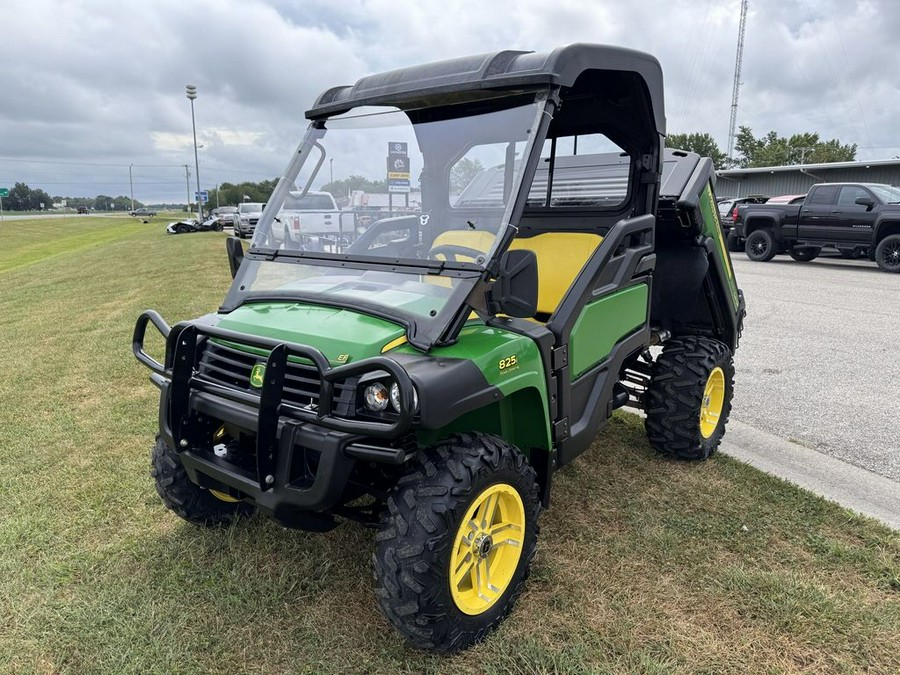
point(644, 565)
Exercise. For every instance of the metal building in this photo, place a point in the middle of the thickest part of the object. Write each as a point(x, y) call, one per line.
point(798, 178)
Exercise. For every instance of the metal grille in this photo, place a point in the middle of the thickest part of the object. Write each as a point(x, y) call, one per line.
point(231, 367)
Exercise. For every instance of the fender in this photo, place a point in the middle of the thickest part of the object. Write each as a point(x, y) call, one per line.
point(889, 224)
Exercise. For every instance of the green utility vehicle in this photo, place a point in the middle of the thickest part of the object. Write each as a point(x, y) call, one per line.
point(428, 375)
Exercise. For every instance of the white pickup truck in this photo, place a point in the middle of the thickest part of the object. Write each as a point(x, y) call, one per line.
point(312, 215)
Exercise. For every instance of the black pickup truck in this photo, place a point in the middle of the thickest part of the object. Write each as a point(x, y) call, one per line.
point(851, 217)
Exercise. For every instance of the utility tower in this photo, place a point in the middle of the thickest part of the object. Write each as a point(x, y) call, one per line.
point(738, 62)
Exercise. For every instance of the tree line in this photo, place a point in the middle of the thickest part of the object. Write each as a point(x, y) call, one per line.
point(24, 198)
point(767, 150)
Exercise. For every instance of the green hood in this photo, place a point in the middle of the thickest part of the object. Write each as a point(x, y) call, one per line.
point(341, 335)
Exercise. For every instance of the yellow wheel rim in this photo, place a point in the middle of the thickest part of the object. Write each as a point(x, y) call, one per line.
point(487, 548)
point(713, 403)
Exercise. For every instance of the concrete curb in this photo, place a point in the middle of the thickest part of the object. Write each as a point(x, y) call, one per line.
point(848, 485)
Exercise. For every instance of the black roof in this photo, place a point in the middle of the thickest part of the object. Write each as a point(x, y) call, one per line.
point(499, 70)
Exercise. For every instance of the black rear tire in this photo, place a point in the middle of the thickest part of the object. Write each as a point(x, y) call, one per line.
point(187, 499)
point(760, 246)
point(887, 253)
point(805, 253)
point(733, 242)
point(677, 397)
point(419, 532)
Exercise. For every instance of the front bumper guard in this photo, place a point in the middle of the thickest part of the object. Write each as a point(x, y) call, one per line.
point(186, 391)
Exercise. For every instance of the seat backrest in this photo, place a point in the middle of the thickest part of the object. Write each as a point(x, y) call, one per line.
point(560, 257)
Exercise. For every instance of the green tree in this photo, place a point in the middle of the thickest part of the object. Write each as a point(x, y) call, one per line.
point(19, 198)
point(775, 150)
point(342, 188)
point(463, 172)
point(701, 143)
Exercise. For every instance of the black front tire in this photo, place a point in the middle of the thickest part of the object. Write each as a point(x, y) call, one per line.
point(887, 253)
point(676, 397)
point(419, 532)
point(187, 499)
point(760, 246)
point(805, 253)
point(182, 229)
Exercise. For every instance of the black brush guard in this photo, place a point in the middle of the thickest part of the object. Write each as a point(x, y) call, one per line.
point(277, 423)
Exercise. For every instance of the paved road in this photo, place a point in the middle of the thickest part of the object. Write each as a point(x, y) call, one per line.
point(819, 363)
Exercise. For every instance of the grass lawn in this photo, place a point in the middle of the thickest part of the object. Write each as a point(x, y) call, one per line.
point(644, 565)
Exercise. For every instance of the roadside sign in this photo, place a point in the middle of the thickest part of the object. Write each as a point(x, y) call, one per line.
point(203, 195)
point(398, 167)
point(4, 192)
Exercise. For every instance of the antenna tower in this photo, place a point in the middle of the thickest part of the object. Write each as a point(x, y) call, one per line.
point(738, 62)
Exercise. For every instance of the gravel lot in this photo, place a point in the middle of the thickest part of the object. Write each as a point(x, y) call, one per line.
point(819, 362)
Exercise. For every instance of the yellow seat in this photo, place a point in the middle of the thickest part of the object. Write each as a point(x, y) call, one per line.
point(560, 257)
point(476, 240)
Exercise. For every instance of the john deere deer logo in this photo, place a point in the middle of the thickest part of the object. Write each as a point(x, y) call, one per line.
point(257, 375)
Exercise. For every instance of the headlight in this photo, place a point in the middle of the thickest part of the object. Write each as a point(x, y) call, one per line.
point(376, 396)
point(395, 397)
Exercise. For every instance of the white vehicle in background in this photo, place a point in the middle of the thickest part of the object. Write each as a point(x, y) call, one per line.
point(304, 217)
point(249, 214)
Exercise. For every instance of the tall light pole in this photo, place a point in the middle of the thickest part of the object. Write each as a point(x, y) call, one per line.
point(131, 183)
point(191, 92)
point(187, 185)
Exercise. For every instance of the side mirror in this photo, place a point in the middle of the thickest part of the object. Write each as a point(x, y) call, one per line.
point(235, 254)
point(515, 293)
point(868, 202)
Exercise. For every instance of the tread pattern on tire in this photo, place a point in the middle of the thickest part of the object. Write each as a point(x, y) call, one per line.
point(880, 249)
point(411, 559)
point(804, 253)
point(185, 498)
point(771, 250)
point(674, 397)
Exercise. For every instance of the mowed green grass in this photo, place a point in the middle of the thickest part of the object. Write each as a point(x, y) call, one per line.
point(644, 565)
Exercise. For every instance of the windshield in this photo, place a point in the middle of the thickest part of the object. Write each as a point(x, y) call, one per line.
point(886, 193)
point(251, 207)
point(369, 211)
point(362, 171)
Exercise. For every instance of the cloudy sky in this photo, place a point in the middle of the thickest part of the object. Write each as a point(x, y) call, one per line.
point(89, 87)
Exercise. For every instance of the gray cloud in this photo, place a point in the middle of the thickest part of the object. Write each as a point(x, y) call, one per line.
point(102, 82)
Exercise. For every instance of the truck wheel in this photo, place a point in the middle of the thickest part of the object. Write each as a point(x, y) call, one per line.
point(689, 398)
point(804, 253)
point(887, 253)
point(733, 242)
point(760, 246)
point(456, 541)
point(187, 499)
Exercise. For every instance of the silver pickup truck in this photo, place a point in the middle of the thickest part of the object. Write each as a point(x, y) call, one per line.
point(311, 215)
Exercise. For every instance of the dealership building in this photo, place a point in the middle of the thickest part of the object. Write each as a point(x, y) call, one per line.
point(798, 178)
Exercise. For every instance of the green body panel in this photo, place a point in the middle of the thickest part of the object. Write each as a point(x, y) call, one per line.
point(603, 323)
point(512, 363)
point(522, 416)
point(341, 335)
point(712, 227)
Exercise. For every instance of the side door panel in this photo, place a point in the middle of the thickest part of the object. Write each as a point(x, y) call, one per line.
point(819, 214)
point(857, 221)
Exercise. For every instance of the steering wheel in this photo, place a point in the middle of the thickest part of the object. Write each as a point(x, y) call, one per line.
point(450, 251)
